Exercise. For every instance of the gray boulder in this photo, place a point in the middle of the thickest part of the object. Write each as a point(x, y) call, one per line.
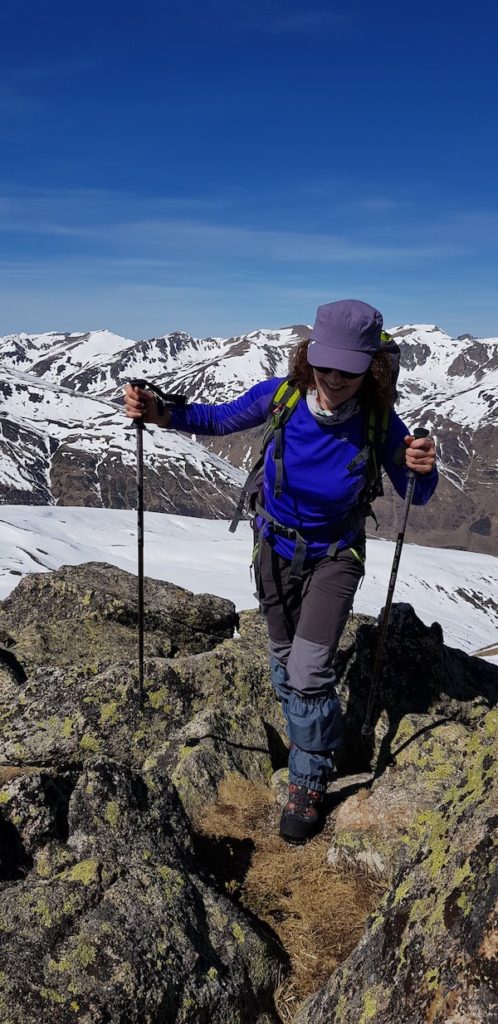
point(109, 918)
point(108, 913)
point(87, 615)
point(430, 952)
point(208, 707)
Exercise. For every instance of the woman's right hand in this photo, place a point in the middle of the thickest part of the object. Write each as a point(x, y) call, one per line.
point(141, 404)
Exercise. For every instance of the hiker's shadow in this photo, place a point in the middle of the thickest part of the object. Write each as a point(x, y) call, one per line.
point(419, 676)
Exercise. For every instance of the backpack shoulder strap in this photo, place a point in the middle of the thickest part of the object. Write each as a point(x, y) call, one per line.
point(281, 407)
point(283, 404)
point(377, 426)
point(377, 423)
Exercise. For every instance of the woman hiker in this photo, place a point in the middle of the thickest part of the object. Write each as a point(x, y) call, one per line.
point(311, 520)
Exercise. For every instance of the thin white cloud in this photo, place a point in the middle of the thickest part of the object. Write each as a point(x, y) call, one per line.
point(146, 310)
point(377, 204)
point(88, 216)
point(30, 205)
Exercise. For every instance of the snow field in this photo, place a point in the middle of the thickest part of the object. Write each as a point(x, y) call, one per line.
point(455, 588)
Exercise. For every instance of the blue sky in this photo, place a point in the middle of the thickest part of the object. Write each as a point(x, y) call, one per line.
point(222, 166)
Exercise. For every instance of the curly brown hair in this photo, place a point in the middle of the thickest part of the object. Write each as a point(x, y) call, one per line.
point(378, 390)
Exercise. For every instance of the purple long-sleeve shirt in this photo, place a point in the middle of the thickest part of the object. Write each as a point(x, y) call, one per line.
point(318, 491)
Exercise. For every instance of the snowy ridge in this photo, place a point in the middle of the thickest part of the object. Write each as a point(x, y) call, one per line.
point(458, 377)
point(101, 362)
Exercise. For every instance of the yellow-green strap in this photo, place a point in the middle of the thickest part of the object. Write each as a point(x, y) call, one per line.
point(357, 556)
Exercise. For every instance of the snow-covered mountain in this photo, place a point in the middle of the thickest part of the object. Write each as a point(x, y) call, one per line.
point(63, 446)
point(449, 385)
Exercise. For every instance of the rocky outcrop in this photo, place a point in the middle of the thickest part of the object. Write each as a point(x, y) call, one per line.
point(108, 910)
point(427, 822)
point(419, 676)
point(207, 705)
point(371, 825)
point(430, 952)
point(107, 916)
point(88, 616)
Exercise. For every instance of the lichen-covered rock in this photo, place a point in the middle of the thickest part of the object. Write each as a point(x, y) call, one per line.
point(87, 615)
point(430, 953)
point(61, 717)
point(33, 807)
point(373, 825)
point(113, 921)
point(212, 745)
point(106, 915)
point(63, 714)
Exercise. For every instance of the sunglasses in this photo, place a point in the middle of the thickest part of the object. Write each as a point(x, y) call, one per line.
point(342, 373)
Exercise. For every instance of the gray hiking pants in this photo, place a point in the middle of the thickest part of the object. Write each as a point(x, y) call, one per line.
point(305, 620)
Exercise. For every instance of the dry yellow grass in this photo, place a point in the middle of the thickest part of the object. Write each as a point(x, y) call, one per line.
point(8, 774)
point(317, 912)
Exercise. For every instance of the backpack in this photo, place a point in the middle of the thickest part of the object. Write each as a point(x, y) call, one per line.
point(282, 406)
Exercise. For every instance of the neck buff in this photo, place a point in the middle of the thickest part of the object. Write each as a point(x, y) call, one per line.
point(331, 416)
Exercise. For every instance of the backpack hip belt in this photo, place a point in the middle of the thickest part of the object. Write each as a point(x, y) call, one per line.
point(356, 519)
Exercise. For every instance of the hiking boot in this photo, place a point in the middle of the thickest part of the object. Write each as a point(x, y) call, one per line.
point(301, 815)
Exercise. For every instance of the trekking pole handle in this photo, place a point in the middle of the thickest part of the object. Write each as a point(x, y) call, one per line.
point(418, 432)
point(162, 398)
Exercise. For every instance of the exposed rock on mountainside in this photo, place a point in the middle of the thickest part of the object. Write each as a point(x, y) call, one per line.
point(108, 913)
point(76, 452)
point(452, 389)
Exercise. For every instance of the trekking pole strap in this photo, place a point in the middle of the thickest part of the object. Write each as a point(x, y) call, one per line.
point(163, 398)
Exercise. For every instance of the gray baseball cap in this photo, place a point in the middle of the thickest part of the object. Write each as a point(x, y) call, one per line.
point(346, 336)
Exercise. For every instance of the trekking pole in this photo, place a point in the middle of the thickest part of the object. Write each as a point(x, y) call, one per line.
point(139, 426)
point(367, 727)
point(162, 401)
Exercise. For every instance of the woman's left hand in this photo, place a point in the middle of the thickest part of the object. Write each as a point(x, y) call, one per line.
point(420, 454)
